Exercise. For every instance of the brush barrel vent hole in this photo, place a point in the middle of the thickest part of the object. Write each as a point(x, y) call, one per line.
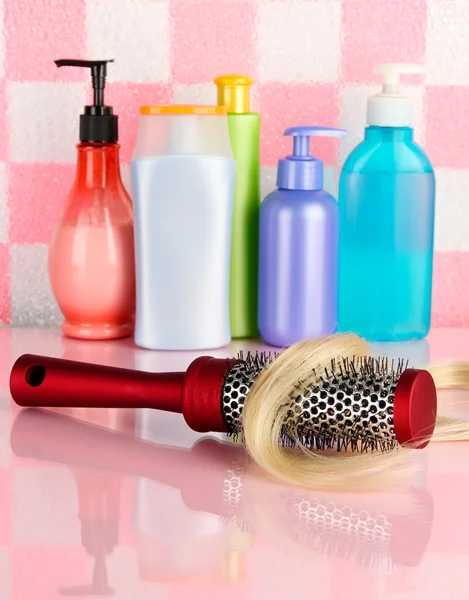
point(35, 375)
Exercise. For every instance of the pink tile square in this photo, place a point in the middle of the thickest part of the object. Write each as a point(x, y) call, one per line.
point(36, 195)
point(210, 38)
point(288, 105)
point(5, 299)
point(39, 572)
point(446, 139)
point(451, 289)
point(38, 33)
point(381, 31)
point(126, 99)
point(5, 507)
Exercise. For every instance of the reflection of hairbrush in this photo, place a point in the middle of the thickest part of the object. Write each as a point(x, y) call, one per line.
point(346, 528)
point(57, 438)
point(212, 478)
point(364, 404)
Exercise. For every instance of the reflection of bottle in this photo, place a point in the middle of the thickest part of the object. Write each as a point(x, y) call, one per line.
point(99, 498)
point(160, 535)
point(91, 256)
point(174, 542)
point(239, 541)
point(244, 125)
point(387, 204)
point(98, 506)
point(105, 352)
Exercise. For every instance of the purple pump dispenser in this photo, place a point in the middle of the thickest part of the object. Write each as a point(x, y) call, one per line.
point(298, 248)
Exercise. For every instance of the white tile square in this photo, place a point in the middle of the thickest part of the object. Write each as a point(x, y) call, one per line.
point(32, 300)
point(448, 42)
point(45, 507)
point(352, 115)
point(299, 41)
point(3, 204)
point(195, 94)
point(452, 216)
point(133, 32)
point(44, 121)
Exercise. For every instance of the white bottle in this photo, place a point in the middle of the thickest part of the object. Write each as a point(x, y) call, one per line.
point(183, 175)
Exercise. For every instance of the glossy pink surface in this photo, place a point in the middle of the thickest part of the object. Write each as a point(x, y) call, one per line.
point(136, 503)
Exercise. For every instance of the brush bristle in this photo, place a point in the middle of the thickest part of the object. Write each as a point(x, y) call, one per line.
point(256, 362)
point(349, 405)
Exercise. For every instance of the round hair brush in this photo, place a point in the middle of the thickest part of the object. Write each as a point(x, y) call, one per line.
point(362, 404)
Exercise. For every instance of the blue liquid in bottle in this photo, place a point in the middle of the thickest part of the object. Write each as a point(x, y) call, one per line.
point(387, 205)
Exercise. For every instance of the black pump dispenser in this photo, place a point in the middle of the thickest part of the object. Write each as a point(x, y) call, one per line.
point(98, 123)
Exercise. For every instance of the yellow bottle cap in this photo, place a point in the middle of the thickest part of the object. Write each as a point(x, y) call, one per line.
point(183, 109)
point(234, 92)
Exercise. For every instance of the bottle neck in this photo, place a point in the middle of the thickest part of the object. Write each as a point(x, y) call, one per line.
point(373, 133)
point(98, 165)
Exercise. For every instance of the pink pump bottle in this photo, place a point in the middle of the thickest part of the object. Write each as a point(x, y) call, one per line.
point(91, 255)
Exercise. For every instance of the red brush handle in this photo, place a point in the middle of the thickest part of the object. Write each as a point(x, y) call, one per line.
point(43, 381)
point(54, 382)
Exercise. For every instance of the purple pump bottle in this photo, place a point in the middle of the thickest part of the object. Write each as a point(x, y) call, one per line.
point(298, 248)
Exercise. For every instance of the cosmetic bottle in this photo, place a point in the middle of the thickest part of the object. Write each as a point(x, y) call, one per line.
point(387, 205)
point(183, 176)
point(91, 255)
point(244, 126)
point(298, 248)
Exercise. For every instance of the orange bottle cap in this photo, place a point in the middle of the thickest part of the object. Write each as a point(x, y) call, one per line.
point(183, 109)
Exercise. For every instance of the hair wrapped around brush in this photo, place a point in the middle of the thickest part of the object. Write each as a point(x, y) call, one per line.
point(266, 411)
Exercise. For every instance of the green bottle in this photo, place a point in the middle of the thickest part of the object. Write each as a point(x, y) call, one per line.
point(234, 93)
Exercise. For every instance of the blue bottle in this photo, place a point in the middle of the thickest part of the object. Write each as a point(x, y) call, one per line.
point(387, 206)
point(298, 248)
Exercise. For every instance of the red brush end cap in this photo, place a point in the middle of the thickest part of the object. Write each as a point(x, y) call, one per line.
point(415, 408)
point(202, 393)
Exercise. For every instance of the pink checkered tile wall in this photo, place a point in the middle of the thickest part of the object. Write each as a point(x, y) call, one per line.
point(312, 61)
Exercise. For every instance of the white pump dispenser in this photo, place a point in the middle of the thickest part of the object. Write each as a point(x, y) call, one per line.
point(390, 108)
